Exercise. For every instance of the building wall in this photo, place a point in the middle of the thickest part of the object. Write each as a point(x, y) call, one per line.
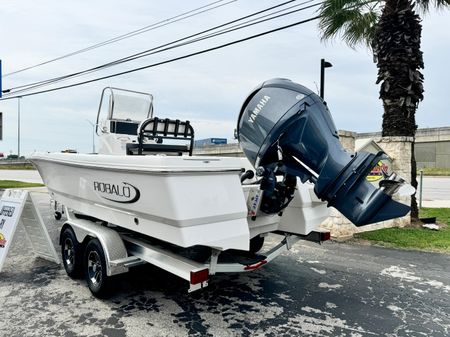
point(210, 141)
point(433, 154)
point(432, 146)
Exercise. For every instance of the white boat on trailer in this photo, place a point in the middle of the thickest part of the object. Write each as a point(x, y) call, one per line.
point(144, 193)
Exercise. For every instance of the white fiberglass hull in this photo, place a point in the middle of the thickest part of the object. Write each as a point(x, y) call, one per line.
point(183, 200)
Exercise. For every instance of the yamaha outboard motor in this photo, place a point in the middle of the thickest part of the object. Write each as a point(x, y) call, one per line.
point(286, 130)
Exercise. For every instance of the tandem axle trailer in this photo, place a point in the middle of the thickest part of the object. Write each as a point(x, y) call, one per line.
point(98, 251)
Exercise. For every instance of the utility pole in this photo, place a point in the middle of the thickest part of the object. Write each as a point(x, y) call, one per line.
point(18, 126)
point(1, 88)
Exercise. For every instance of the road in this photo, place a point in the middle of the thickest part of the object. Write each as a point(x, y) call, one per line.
point(436, 191)
point(332, 289)
point(29, 176)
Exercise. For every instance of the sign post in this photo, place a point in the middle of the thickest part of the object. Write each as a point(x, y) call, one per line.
point(17, 207)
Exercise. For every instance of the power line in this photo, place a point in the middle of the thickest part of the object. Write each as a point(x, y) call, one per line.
point(159, 24)
point(149, 51)
point(158, 50)
point(170, 60)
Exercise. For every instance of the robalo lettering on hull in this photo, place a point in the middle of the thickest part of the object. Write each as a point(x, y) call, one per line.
point(123, 192)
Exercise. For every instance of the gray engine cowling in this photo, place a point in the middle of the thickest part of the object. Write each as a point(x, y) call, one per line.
point(286, 129)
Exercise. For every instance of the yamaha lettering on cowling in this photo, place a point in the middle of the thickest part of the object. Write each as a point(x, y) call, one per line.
point(123, 192)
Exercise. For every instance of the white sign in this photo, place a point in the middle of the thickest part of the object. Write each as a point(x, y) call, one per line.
point(17, 207)
point(11, 206)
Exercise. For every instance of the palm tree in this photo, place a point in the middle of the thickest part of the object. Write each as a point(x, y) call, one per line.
point(392, 30)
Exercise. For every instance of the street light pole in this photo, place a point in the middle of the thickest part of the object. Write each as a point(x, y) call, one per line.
point(323, 64)
point(18, 126)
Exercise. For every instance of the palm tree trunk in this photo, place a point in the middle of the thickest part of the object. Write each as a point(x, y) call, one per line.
point(399, 60)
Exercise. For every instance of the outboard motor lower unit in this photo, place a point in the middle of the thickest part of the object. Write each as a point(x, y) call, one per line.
point(286, 130)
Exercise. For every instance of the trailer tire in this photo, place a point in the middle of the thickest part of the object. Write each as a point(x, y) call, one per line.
point(95, 269)
point(256, 243)
point(71, 253)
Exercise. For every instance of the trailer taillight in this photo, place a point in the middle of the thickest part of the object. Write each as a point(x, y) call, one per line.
point(199, 276)
point(255, 265)
point(325, 236)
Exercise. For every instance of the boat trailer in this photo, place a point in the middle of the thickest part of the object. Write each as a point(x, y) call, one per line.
point(124, 249)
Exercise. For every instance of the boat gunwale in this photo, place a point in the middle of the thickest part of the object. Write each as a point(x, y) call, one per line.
point(137, 168)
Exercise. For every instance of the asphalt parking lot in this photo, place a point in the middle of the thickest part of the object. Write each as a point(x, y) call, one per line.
point(332, 289)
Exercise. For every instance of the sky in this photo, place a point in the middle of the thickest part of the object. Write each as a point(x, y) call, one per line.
point(208, 89)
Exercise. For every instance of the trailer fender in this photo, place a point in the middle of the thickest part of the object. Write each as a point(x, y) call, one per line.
point(111, 242)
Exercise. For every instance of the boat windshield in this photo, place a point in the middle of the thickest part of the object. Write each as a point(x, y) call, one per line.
point(125, 106)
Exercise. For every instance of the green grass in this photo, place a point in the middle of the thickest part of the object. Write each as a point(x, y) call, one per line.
point(442, 214)
point(17, 184)
point(17, 167)
point(434, 171)
point(415, 238)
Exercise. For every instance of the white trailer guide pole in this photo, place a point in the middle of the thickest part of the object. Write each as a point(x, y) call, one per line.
point(18, 207)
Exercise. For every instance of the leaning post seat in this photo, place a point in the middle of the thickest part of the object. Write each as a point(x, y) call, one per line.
point(160, 129)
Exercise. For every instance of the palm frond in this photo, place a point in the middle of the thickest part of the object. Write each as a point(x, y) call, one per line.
point(424, 5)
point(353, 20)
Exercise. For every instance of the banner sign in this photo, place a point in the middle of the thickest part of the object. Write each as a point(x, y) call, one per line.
point(381, 171)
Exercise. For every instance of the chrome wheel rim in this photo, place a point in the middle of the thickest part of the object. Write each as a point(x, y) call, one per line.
point(69, 252)
point(94, 268)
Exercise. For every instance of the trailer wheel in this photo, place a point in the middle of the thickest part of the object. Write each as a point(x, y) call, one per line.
point(95, 269)
point(256, 243)
point(71, 253)
point(58, 215)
